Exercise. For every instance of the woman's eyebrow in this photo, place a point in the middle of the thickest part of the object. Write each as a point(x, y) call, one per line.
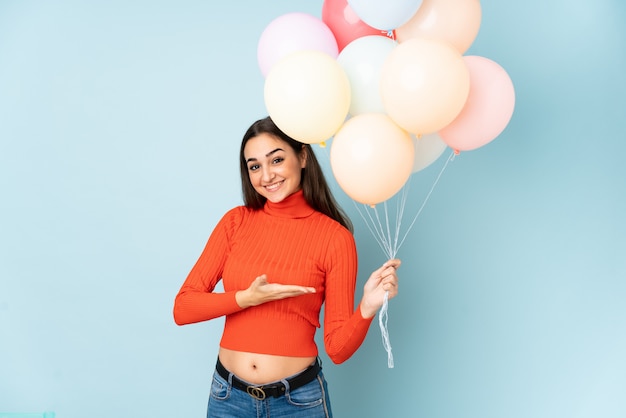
point(267, 155)
point(274, 151)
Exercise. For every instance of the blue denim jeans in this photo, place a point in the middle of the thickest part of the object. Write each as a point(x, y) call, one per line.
point(308, 401)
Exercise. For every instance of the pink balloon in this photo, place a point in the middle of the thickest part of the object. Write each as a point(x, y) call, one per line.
point(488, 109)
point(344, 22)
point(293, 32)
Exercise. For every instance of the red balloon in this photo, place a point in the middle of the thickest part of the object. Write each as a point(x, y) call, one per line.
point(344, 22)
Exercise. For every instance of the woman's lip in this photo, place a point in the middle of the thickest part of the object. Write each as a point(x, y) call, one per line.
point(274, 186)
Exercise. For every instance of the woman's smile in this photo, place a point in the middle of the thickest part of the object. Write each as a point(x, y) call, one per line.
point(274, 186)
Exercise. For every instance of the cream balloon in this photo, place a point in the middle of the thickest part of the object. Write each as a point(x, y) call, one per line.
point(371, 157)
point(307, 95)
point(362, 60)
point(454, 21)
point(424, 85)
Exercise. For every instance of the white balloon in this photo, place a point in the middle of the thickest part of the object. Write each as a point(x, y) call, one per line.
point(362, 61)
point(428, 148)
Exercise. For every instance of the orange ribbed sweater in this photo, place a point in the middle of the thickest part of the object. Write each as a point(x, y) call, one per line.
point(293, 244)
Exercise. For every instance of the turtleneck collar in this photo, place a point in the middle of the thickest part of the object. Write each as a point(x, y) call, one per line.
point(293, 206)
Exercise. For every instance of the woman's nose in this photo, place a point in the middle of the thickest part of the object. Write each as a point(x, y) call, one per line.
point(268, 174)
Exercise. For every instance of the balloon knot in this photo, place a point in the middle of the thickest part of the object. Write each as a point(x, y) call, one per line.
point(457, 152)
point(323, 144)
point(391, 34)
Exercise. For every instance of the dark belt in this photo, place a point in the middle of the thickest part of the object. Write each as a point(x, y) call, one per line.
point(276, 389)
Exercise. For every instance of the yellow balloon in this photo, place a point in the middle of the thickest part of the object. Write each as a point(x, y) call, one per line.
point(454, 21)
point(371, 157)
point(307, 95)
point(424, 85)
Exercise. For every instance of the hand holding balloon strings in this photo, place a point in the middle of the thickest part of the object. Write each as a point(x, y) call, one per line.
point(388, 240)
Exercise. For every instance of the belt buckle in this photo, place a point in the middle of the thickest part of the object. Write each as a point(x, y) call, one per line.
point(256, 392)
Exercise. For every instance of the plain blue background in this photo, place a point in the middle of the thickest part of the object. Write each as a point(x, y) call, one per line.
point(120, 123)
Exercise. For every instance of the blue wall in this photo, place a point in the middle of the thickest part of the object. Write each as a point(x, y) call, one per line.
point(119, 129)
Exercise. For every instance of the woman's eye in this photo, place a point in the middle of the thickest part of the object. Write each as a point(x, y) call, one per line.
point(277, 160)
point(253, 167)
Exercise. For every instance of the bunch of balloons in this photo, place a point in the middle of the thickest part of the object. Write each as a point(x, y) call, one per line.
point(388, 82)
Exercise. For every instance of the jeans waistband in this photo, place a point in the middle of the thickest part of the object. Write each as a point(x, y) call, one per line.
point(275, 389)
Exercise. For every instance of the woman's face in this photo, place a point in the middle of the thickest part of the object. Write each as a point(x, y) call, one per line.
point(275, 169)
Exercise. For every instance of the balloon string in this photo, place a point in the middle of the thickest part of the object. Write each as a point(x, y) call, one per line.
point(388, 242)
point(382, 321)
point(376, 232)
point(400, 214)
point(450, 158)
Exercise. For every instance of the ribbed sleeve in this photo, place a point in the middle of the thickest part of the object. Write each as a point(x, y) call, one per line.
point(196, 301)
point(344, 328)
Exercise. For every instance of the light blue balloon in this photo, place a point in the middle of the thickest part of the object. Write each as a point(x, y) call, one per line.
point(385, 14)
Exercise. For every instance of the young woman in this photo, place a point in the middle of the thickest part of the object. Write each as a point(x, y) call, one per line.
point(282, 255)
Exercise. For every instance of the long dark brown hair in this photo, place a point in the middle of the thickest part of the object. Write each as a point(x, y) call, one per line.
point(314, 186)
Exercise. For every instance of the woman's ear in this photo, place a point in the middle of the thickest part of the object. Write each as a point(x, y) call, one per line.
point(303, 156)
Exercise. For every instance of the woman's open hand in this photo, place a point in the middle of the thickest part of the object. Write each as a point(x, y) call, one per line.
point(260, 291)
point(383, 280)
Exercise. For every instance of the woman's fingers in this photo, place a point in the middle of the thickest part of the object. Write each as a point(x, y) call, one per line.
point(389, 280)
point(275, 291)
point(394, 262)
